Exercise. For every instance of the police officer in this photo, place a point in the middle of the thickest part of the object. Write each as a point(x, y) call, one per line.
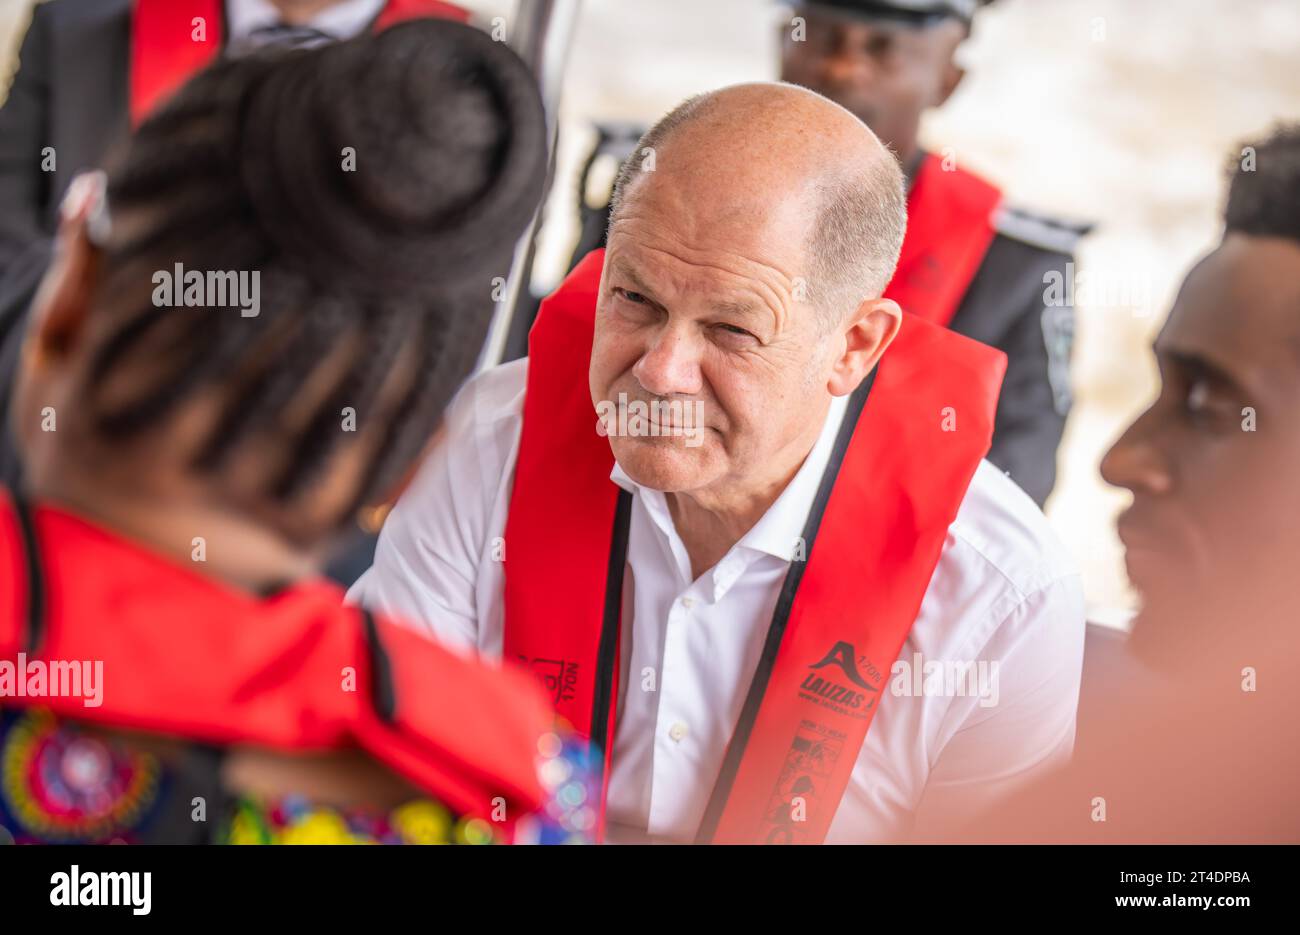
point(970, 261)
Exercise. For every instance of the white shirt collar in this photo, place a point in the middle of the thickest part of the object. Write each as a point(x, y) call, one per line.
point(778, 530)
point(342, 20)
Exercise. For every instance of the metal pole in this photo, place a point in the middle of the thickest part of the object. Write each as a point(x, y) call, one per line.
point(541, 33)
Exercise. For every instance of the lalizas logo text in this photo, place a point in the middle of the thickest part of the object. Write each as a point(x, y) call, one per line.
point(558, 676)
point(845, 691)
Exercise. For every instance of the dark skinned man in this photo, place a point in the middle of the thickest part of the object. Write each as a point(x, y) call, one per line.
point(1198, 742)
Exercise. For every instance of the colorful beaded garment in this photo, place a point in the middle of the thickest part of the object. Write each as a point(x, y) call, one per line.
point(62, 784)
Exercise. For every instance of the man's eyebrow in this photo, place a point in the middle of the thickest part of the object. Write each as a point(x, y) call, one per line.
point(1202, 366)
point(623, 269)
point(734, 307)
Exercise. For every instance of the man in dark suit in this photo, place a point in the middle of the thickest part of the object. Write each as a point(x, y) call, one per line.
point(85, 65)
point(88, 70)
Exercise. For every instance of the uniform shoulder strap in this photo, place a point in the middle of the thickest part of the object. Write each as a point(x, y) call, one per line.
point(1040, 230)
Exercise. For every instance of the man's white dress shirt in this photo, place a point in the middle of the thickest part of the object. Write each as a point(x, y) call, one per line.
point(339, 21)
point(1004, 593)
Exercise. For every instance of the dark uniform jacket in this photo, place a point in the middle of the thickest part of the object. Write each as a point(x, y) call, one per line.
point(69, 94)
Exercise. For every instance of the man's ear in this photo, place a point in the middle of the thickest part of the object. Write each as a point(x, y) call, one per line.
point(63, 301)
point(871, 330)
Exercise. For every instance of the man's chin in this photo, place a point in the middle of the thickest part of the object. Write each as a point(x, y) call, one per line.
point(662, 463)
point(1180, 623)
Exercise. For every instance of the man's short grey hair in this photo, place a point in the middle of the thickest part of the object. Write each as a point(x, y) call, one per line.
point(857, 236)
point(857, 230)
point(650, 143)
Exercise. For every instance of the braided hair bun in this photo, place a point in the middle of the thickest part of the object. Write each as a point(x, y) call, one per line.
point(377, 186)
point(450, 152)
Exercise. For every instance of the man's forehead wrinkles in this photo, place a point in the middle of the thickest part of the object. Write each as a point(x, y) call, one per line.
point(696, 225)
point(682, 251)
point(754, 277)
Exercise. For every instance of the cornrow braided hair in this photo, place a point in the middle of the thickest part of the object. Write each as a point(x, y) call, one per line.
point(365, 275)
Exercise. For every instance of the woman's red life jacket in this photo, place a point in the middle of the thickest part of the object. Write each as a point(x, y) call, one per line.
point(186, 656)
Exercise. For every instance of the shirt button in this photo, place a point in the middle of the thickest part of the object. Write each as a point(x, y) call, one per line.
point(678, 731)
point(688, 602)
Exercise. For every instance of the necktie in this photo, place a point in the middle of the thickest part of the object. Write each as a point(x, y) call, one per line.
point(282, 36)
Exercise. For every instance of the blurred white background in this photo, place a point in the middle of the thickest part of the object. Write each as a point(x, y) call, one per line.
point(1114, 111)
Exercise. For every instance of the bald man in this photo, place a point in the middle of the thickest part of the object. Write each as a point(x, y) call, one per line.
point(732, 510)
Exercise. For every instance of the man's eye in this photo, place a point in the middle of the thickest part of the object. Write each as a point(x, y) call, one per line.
point(1206, 404)
point(635, 298)
point(880, 45)
point(732, 329)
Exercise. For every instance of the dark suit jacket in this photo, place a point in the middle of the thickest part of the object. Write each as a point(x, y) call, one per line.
point(70, 94)
point(15, 297)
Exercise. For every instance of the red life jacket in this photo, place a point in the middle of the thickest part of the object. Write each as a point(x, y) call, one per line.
point(899, 472)
point(949, 230)
point(172, 40)
point(186, 656)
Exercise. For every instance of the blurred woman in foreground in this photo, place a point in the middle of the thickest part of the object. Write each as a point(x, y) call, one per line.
point(249, 333)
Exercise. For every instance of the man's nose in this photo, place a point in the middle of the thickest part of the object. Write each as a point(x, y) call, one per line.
point(670, 366)
point(1137, 462)
point(841, 66)
point(845, 60)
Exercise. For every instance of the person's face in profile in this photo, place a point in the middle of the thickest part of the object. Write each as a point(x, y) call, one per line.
point(884, 73)
point(1214, 465)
